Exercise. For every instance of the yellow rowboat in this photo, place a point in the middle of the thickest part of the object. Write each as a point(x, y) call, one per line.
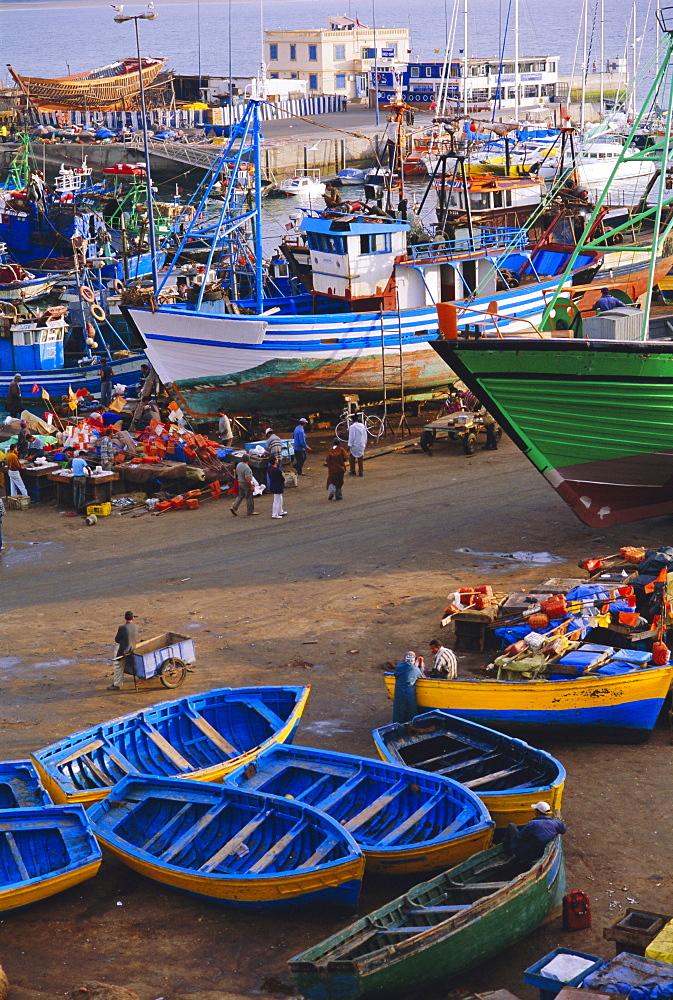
point(508, 775)
point(44, 850)
point(620, 707)
point(200, 736)
point(243, 849)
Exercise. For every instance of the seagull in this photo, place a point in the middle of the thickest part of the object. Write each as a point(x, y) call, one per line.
point(118, 9)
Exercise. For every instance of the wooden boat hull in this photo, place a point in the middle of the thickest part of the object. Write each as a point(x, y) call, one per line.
point(103, 89)
point(20, 785)
point(618, 465)
point(174, 832)
point(397, 744)
point(84, 767)
point(439, 952)
point(379, 808)
point(622, 708)
point(44, 850)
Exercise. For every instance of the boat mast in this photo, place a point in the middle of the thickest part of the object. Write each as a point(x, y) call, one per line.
point(465, 12)
point(665, 19)
point(257, 160)
point(585, 13)
point(603, 55)
point(517, 73)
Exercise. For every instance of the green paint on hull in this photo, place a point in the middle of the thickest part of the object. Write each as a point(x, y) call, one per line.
point(570, 407)
point(492, 924)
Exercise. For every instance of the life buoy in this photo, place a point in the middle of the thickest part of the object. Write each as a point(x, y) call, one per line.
point(98, 313)
point(118, 286)
point(86, 293)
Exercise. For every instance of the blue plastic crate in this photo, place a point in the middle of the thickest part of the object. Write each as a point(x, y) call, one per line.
point(550, 987)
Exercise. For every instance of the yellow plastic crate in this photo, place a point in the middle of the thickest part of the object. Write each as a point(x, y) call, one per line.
point(660, 949)
point(100, 509)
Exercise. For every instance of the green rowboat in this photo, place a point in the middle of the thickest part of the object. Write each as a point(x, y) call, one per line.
point(595, 417)
point(438, 929)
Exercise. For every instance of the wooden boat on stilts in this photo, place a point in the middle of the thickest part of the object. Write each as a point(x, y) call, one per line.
point(104, 89)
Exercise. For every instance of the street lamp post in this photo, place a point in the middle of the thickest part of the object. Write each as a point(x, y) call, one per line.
point(120, 18)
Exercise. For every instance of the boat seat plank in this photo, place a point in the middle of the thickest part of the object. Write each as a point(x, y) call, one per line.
point(375, 807)
point(465, 763)
point(413, 819)
point(102, 777)
point(119, 759)
point(274, 720)
point(166, 748)
point(443, 909)
point(340, 793)
point(149, 844)
point(320, 852)
point(312, 789)
point(484, 885)
point(74, 754)
point(485, 778)
point(278, 848)
point(16, 854)
point(192, 833)
point(401, 930)
point(217, 738)
point(233, 844)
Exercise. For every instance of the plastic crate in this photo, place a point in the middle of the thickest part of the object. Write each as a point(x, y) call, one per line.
point(17, 503)
point(99, 509)
point(661, 947)
point(550, 987)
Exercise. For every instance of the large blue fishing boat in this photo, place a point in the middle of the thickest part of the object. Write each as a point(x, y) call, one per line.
point(347, 303)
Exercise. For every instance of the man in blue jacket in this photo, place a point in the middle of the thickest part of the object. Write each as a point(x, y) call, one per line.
point(300, 445)
point(527, 843)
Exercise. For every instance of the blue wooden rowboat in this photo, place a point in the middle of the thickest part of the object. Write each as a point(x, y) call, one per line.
point(238, 848)
point(507, 774)
point(403, 820)
point(20, 785)
point(459, 919)
point(198, 736)
point(44, 850)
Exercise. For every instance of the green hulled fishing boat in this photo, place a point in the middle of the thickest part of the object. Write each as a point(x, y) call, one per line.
point(594, 417)
point(458, 920)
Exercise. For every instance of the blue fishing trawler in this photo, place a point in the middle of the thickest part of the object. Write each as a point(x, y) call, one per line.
point(347, 287)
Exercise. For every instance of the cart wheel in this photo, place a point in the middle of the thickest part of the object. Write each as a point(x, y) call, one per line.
point(172, 672)
point(470, 443)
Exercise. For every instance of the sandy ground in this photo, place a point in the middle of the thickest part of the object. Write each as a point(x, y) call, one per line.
point(342, 587)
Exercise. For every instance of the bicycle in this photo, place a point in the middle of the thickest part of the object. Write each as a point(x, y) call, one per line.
point(374, 425)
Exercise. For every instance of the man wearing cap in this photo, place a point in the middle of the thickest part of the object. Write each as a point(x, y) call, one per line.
point(14, 397)
point(126, 639)
point(300, 445)
point(527, 843)
point(274, 446)
point(607, 302)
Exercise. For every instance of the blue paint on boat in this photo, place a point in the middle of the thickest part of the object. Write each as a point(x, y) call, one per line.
point(237, 848)
point(20, 785)
point(197, 736)
point(43, 850)
point(634, 717)
point(401, 818)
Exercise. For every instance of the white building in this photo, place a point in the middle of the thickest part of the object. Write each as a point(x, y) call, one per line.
point(337, 59)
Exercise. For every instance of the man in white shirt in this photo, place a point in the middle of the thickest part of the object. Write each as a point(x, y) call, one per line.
point(445, 664)
point(224, 429)
point(357, 442)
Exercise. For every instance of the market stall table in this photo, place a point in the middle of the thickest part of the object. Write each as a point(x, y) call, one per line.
point(140, 472)
point(98, 487)
point(36, 479)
